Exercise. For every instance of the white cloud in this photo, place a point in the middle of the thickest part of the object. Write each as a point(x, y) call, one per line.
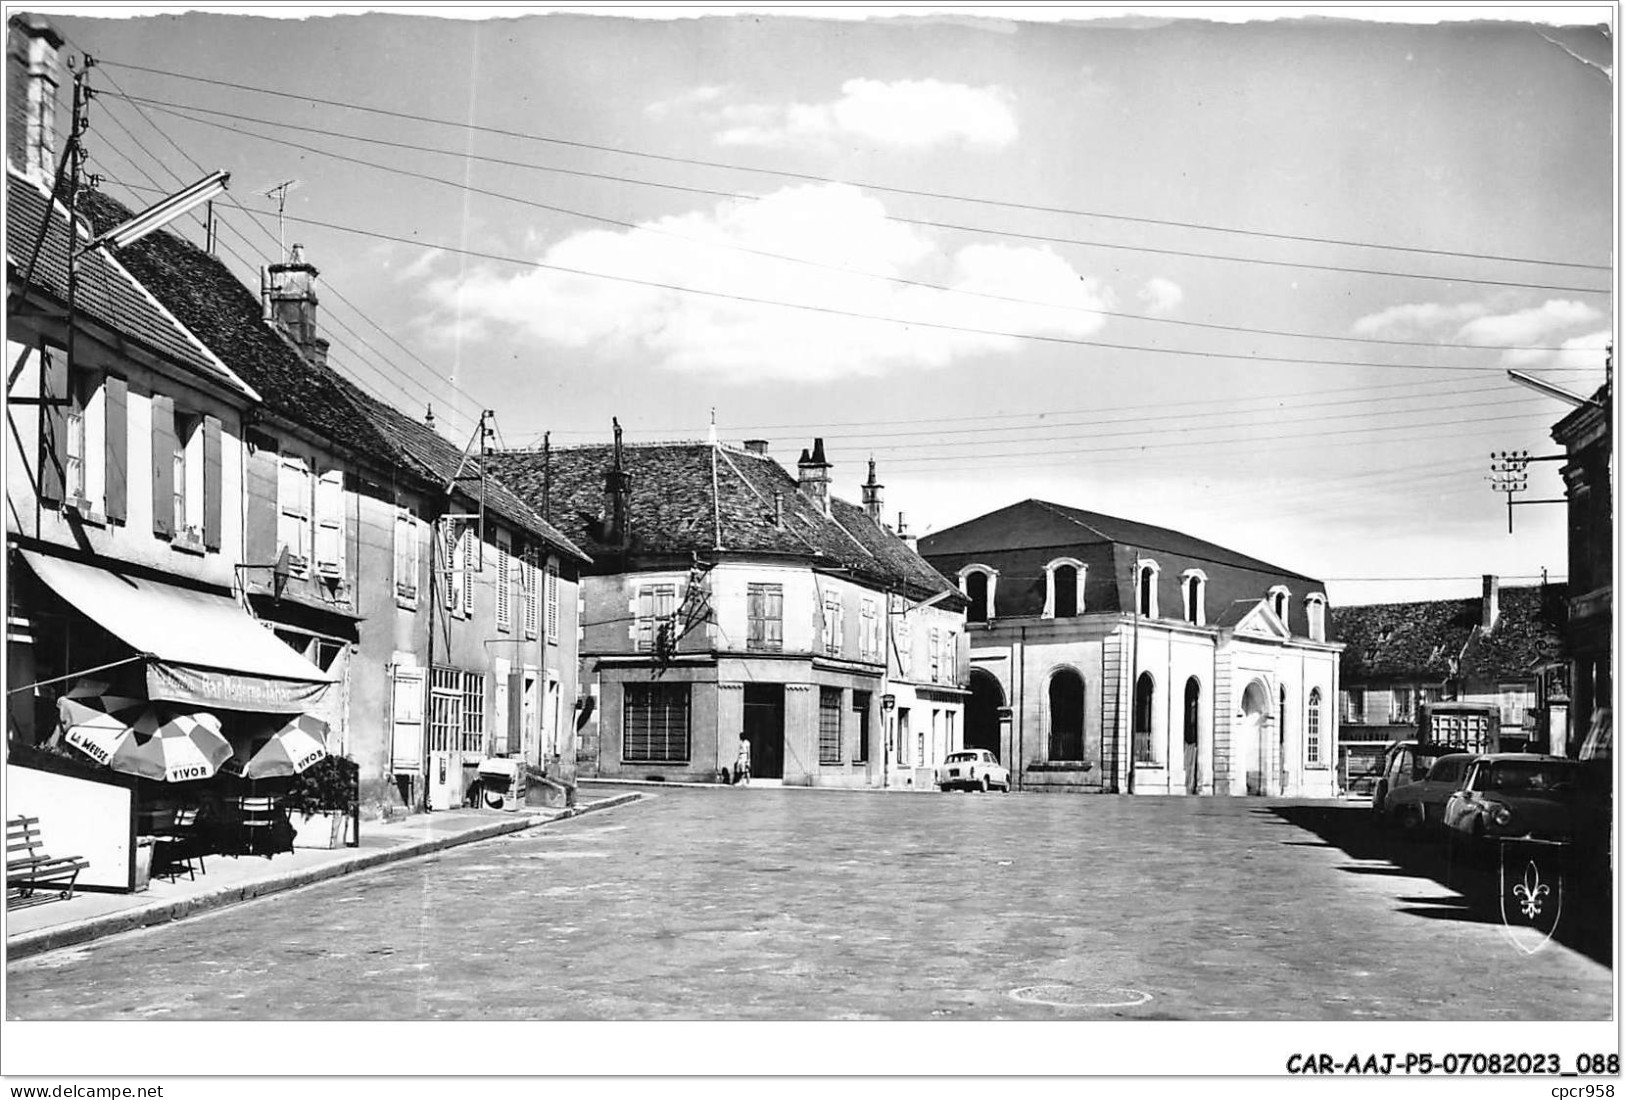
point(832, 224)
point(1416, 318)
point(695, 97)
point(1528, 326)
point(420, 265)
point(910, 114)
point(1161, 295)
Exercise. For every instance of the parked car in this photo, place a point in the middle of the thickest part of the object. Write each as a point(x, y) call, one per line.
point(1405, 762)
point(1419, 804)
point(1515, 794)
point(972, 768)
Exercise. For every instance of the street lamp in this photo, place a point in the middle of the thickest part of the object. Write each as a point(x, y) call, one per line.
point(161, 213)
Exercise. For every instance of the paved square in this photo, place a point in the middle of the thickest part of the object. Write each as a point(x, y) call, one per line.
point(808, 905)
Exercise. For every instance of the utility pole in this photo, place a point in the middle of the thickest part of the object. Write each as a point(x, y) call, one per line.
point(1133, 674)
point(1509, 474)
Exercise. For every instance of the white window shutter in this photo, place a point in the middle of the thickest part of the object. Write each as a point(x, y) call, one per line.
point(330, 524)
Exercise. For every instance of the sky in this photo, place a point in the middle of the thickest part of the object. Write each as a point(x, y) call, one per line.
point(1256, 280)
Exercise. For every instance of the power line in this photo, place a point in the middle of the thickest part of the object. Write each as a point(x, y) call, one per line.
point(833, 311)
point(807, 177)
point(1049, 239)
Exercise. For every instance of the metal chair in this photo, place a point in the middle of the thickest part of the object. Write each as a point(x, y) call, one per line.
point(180, 845)
point(258, 818)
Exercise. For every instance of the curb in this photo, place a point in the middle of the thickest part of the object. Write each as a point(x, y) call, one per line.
point(602, 781)
point(109, 924)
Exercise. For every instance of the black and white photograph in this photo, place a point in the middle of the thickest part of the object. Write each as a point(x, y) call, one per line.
point(620, 524)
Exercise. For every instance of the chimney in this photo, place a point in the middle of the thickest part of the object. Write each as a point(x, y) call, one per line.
point(902, 532)
point(289, 300)
point(814, 475)
point(871, 493)
point(756, 446)
point(428, 416)
point(32, 78)
point(617, 497)
point(778, 509)
point(1492, 602)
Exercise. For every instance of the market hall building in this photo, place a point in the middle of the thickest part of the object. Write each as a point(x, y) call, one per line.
point(1116, 656)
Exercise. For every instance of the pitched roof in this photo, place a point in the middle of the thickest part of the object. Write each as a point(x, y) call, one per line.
point(695, 498)
point(227, 316)
point(1436, 639)
point(106, 291)
point(439, 459)
point(1040, 523)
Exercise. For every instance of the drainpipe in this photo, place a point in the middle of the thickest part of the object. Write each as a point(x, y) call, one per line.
point(1133, 675)
point(1021, 696)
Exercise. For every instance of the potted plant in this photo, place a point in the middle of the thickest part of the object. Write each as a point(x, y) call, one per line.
point(321, 801)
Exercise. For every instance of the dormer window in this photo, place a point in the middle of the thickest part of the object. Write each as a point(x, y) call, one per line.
point(1314, 606)
point(1280, 598)
point(1146, 588)
point(978, 583)
point(1193, 587)
point(1063, 588)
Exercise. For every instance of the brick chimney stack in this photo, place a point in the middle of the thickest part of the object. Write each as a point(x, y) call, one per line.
point(33, 74)
point(1492, 603)
point(617, 498)
point(872, 502)
point(288, 292)
point(813, 469)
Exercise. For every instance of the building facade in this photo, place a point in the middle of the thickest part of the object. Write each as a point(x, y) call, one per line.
point(1587, 438)
point(728, 600)
point(1109, 655)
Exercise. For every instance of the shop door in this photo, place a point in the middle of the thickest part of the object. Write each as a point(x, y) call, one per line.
point(764, 725)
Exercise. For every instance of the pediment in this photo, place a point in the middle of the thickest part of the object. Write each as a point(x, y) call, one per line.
point(1258, 621)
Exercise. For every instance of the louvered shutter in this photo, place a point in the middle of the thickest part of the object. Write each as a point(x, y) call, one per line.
point(213, 497)
point(163, 466)
point(117, 404)
point(504, 584)
point(53, 440)
point(448, 562)
point(646, 611)
point(330, 523)
point(552, 578)
point(406, 555)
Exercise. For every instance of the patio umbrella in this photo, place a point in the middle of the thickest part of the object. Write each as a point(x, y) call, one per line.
point(96, 724)
point(292, 749)
point(173, 746)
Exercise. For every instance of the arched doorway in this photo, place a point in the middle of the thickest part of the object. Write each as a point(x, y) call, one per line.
point(1145, 692)
point(1193, 734)
point(982, 713)
point(1251, 744)
point(1066, 715)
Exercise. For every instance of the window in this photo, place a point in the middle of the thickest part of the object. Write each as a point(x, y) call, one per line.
point(1311, 740)
point(869, 630)
point(75, 449)
point(950, 657)
point(948, 730)
point(765, 617)
point(905, 645)
point(936, 655)
point(188, 478)
point(829, 725)
point(1315, 607)
point(330, 526)
point(1193, 711)
point(654, 724)
point(1145, 691)
point(834, 624)
point(1280, 600)
point(407, 562)
point(976, 591)
point(1354, 705)
point(552, 576)
point(1514, 702)
point(1066, 715)
point(457, 711)
point(293, 508)
point(1147, 601)
point(902, 736)
point(504, 582)
point(657, 608)
point(860, 708)
point(1065, 581)
point(1402, 707)
point(1193, 586)
point(527, 591)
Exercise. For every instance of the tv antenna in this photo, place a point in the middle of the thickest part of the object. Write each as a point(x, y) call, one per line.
point(280, 194)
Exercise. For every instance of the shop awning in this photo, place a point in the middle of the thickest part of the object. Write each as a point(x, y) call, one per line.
point(201, 649)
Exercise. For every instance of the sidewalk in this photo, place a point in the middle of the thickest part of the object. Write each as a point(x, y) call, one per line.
point(87, 916)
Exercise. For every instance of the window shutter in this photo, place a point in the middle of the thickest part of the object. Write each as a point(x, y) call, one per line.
point(646, 610)
point(465, 595)
point(552, 577)
point(504, 585)
point(330, 523)
point(448, 561)
point(775, 618)
point(527, 583)
point(212, 494)
point(53, 437)
point(163, 466)
point(406, 555)
point(116, 506)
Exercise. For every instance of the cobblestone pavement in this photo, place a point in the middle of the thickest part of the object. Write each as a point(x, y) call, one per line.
point(796, 905)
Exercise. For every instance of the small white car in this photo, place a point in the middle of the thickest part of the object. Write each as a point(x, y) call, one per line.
point(972, 769)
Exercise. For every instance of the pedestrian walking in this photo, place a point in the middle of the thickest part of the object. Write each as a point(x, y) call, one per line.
point(742, 762)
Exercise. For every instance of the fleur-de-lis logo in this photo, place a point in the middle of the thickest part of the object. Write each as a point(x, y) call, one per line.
point(1531, 890)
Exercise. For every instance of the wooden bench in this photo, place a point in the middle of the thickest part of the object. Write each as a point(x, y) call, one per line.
point(28, 867)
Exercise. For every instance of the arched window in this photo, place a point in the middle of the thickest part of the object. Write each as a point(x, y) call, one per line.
point(1193, 586)
point(1280, 599)
point(1065, 580)
point(1311, 740)
point(1066, 715)
point(979, 583)
point(1193, 710)
point(1314, 605)
point(1145, 692)
point(1146, 585)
